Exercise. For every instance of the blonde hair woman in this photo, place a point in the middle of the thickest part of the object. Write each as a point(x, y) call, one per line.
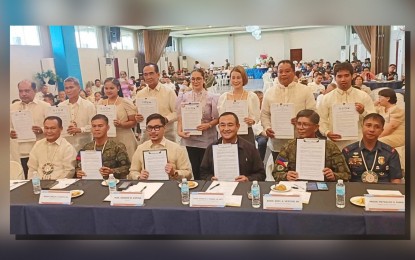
point(238, 79)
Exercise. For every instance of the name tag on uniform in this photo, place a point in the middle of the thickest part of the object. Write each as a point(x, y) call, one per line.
point(282, 202)
point(384, 202)
point(58, 197)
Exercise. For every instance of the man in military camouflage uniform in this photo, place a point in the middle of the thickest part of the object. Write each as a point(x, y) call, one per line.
point(371, 160)
point(307, 126)
point(114, 154)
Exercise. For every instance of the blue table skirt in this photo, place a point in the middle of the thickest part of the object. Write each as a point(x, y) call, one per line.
point(256, 73)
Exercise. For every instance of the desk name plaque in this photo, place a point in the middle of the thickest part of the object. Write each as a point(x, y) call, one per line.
point(282, 202)
point(385, 202)
point(58, 197)
point(207, 199)
point(127, 199)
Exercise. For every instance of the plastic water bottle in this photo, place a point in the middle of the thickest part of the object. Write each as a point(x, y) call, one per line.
point(36, 183)
point(340, 194)
point(256, 197)
point(185, 192)
point(112, 183)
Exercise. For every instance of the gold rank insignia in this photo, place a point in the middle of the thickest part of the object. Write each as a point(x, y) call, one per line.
point(381, 160)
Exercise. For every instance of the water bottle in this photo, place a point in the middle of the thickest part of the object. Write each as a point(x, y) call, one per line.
point(256, 197)
point(36, 183)
point(185, 192)
point(112, 183)
point(340, 194)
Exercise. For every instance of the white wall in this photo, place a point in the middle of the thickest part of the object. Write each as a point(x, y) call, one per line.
point(247, 49)
point(321, 42)
point(317, 43)
point(205, 50)
point(25, 61)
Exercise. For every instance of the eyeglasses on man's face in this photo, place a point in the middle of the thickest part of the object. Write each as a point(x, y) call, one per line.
point(303, 125)
point(156, 128)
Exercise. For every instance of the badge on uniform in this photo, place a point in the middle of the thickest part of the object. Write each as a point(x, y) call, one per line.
point(381, 160)
point(280, 168)
point(370, 177)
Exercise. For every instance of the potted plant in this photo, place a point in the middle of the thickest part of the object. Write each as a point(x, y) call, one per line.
point(47, 77)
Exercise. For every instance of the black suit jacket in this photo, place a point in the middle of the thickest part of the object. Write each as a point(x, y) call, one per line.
point(250, 163)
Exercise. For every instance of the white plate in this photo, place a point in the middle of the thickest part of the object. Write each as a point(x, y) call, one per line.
point(76, 193)
point(104, 182)
point(288, 188)
point(192, 184)
point(358, 201)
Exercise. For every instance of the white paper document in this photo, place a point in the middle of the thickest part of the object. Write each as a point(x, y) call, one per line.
point(22, 123)
point(63, 183)
point(16, 183)
point(310, 158)
point(91, 162)
point(240, 108)
point(345, 121)
point(147, 188)
point(225, 161)
point(384, 192)
point(146, 107)
point(64, 114)
point(225, 187)
point(281, 115)
point(109, 111)
point(154, 162)
point(191, 117)
point(233, 200)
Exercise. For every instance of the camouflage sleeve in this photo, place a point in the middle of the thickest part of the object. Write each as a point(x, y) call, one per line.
point(123, 162)
point(280, 170)
point(338, 163)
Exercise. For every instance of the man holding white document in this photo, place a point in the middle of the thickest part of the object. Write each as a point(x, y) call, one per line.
point(26, 121)
point(231, 158)
point(305, 158)
point(103, 156)
point(280, 105)
point(159, 158)
point(343, 109)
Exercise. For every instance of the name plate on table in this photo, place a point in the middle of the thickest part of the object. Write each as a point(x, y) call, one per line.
point(130, 199)
point(206, 199)
point(59, 197)
point(282, 202)
point(384, 202)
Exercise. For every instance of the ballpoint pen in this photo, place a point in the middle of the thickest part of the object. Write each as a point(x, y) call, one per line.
point(215, 186)
point(143, 188)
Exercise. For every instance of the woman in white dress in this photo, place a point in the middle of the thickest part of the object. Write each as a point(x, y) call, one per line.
point(125, 114)
point(239, 79)
point(394, 130)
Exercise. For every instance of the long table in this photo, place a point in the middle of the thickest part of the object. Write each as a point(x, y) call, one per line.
point(164, 214)
point(384, 84)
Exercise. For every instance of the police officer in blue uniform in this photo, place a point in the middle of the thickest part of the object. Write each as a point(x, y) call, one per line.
point(370, 160)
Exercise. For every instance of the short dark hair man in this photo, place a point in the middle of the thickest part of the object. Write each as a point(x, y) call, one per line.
point(307, 125)
point(251, 166)
point(114, 154)
point(178, 165)
point(369, 159)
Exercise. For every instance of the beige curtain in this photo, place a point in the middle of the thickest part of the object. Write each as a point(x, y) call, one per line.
point(155, 42)
point(365, 36)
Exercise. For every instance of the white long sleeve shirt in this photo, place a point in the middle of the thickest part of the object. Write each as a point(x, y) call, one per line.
point(300, 95)
point(339, 96)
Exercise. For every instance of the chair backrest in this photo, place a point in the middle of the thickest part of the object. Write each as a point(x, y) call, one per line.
point(268, 168)
point(16, 171)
